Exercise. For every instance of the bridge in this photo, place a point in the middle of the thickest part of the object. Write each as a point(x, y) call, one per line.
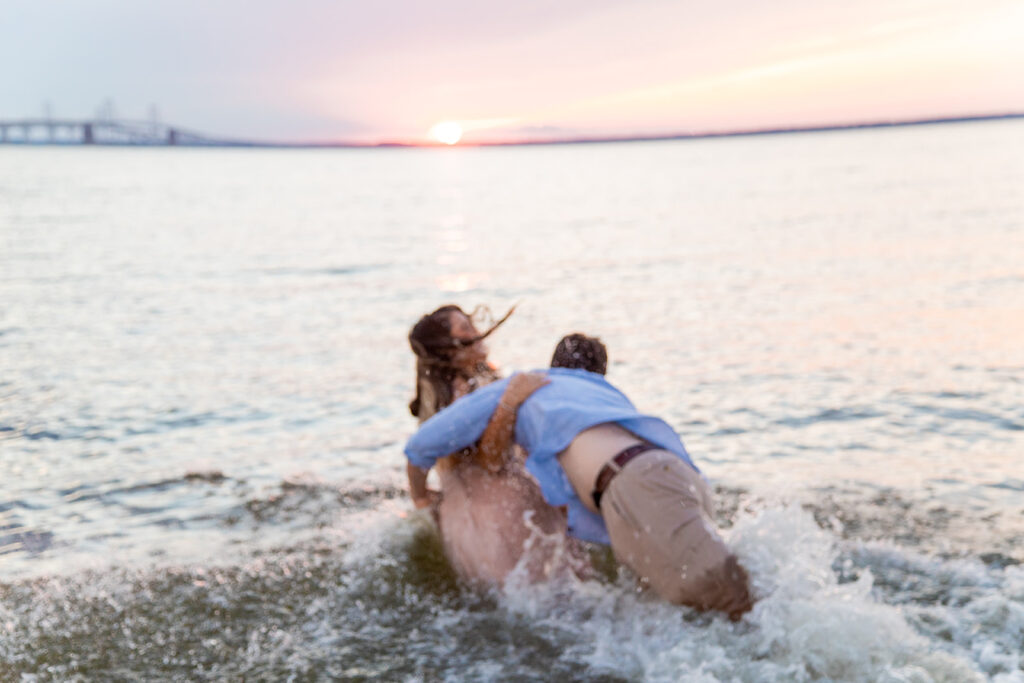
point(100, 132)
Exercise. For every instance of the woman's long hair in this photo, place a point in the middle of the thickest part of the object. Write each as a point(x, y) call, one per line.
point(435, 348)
point(431, 341)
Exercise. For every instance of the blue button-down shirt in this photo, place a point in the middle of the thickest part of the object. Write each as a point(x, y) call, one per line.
point(546, 424)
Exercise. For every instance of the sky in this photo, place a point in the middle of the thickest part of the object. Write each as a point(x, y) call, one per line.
point(390, 70)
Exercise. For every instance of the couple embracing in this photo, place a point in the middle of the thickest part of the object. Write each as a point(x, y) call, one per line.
point(564, 453)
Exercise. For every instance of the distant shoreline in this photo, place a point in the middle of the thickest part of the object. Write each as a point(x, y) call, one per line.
point(589, 140)
point(741, 133)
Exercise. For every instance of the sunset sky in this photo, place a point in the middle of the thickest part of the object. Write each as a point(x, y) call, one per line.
point(340, 70)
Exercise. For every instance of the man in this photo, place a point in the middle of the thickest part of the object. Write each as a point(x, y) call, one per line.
point(626, 478)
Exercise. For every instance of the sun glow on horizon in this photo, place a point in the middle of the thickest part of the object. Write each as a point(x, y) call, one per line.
point(446, 132)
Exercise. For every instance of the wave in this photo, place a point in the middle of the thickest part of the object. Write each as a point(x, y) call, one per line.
point(372, 597)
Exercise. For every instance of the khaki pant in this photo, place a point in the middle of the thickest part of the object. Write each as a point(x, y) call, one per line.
point(658, 512)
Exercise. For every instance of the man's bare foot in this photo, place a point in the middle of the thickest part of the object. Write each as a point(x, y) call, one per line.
point(729, 589)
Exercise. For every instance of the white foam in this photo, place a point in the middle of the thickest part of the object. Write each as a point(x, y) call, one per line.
point(980, 614)
point(804, 626)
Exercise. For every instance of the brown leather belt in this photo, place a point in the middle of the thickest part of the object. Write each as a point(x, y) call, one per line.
point(613, 466)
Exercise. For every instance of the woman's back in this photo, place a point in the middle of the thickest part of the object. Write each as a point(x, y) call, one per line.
point(489, 521)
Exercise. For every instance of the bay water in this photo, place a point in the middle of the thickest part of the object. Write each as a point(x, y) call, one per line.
point(204, 381)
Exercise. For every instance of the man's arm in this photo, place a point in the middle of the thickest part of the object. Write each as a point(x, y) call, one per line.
point(459, 425)
point(454, 428)
point(498, 435)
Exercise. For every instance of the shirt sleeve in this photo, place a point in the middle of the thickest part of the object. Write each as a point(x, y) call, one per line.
point(459, 425)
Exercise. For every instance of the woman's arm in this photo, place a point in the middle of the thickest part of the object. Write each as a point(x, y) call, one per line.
point(498, 435)
point(421, 496)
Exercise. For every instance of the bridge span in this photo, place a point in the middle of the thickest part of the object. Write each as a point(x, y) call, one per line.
point(100, 132)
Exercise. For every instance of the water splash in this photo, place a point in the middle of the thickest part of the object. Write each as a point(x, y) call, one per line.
point(806, 625)
point(373, 597)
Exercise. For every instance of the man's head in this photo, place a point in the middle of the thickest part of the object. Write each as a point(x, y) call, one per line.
point(580, 351)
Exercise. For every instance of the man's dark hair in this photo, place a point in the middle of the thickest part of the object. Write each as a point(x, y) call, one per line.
point(580, 351)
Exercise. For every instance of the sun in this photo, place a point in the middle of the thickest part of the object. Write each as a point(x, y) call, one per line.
point(447, 132)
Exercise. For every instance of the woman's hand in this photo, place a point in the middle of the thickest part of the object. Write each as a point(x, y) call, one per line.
point(521, 386)
point(428, 499)
point(421, 496)
point(498, 435)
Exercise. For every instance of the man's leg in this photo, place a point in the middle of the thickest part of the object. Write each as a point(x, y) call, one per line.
point(657, 510)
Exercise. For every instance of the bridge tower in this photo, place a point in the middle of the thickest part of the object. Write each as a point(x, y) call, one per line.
point(87, 138)
point(51, 128)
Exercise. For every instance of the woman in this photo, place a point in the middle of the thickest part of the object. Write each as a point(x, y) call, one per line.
point(489, 510)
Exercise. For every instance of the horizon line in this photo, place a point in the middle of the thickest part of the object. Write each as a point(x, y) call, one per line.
point(580, 140)
point(586, 140)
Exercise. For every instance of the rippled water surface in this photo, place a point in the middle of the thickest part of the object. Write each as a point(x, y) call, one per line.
point(204, 379)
